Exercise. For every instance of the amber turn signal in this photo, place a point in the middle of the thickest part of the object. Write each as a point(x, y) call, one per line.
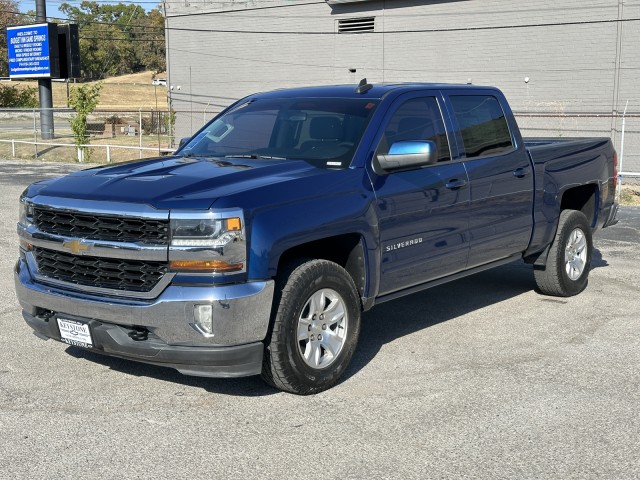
point(205, 265)
point(233, 223)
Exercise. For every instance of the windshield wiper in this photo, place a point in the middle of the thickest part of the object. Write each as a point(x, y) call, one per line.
point(256, 157)
point(203, 155)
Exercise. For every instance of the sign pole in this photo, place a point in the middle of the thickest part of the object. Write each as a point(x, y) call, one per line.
point(44, 86)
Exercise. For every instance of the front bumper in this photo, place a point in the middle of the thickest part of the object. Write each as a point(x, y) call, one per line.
point(241, 315)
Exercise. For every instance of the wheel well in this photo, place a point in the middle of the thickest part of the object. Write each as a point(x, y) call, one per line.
point(583, 199)
point(345, 250)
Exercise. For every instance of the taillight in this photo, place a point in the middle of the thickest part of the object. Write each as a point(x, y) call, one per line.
point(615, 169)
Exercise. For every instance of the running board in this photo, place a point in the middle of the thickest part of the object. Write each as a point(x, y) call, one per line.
point(447, 279)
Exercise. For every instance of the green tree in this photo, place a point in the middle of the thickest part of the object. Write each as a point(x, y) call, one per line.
point(83, 99)
point(117, 39)
point(13, 96)
point(9, 16)
point(151, 47)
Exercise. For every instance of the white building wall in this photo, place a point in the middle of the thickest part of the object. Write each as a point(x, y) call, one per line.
point(579, 59)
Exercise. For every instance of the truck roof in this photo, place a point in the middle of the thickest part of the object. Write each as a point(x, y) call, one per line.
point(377, 91)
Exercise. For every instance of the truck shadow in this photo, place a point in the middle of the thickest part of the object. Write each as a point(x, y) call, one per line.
point(245, 387)
point(407, 315)
point(597, 261)
point(389, 321)
point(381, 325)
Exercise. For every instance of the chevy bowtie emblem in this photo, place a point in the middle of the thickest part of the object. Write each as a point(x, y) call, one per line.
point(76, 246)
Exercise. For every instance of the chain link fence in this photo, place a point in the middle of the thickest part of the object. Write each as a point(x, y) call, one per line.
point(532, 124)
point(117, 136)
point(188, 122)
point(624, 131)
point(113, 136)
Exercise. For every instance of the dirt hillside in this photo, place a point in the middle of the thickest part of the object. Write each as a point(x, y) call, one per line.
point(126, 92)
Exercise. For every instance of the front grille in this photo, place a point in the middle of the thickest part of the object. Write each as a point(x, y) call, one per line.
point(112, 273)
point(101, 227)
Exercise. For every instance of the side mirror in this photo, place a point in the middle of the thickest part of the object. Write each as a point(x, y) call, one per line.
point(408, 155)
point(183, 140)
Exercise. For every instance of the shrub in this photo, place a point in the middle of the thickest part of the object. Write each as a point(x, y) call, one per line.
point(12, 96)
point(84, 100)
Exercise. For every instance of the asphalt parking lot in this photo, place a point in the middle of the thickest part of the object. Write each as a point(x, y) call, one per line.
point(479, 378)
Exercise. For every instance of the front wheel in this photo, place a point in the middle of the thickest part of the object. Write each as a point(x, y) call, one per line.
point(567, 268)
point(315, 328)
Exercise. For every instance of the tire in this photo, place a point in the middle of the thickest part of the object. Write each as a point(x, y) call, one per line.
point(306, 351)
point(566, 271)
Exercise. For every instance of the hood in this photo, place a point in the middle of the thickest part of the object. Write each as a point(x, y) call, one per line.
point(174, 182)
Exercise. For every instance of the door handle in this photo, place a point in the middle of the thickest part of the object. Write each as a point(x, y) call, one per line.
point(455, 184)
point(520, 172)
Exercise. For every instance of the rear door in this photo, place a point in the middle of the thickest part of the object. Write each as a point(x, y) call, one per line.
point(423, 212)
point(500, 175)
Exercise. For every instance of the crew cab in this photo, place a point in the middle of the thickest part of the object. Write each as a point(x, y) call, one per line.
point(254, 249)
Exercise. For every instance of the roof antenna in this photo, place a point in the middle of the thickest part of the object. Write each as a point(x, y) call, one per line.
point(363, 86)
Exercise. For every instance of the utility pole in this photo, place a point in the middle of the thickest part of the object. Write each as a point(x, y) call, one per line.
point(44, 85)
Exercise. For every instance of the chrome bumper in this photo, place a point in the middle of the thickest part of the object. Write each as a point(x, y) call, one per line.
point(240, 321)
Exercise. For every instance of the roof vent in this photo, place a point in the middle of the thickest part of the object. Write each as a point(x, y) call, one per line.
point(356, 25)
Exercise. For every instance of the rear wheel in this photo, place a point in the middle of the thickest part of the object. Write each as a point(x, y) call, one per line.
point(567, 268)
point(315, 328)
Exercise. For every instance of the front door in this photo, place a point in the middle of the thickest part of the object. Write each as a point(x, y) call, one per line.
point(423, 213)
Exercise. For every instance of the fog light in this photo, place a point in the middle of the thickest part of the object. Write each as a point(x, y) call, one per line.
point(204, 317)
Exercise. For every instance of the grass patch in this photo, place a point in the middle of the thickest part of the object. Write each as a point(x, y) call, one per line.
point(62, 148)
point(127, 92)
point(630, 195)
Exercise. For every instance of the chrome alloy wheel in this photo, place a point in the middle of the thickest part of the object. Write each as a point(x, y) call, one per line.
point(575, 254)
point(322, 328)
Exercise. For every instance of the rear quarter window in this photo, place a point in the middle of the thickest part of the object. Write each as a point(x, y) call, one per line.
point(483, 125)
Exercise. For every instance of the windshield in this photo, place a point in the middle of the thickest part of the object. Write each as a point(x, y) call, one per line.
point(322, 131)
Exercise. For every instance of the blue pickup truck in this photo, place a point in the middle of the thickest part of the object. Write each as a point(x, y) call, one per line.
point(257, 246)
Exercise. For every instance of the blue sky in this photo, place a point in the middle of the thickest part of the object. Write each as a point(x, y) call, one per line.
point(52, 7)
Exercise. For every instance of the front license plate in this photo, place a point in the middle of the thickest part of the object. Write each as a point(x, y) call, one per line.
point(75, 333)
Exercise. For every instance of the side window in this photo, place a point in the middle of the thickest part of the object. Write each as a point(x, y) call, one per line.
point(417, 119)
point(482, 124)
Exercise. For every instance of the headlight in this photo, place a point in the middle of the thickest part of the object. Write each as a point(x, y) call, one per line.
point(25, 213)
point(206, 232)
point(210, 242)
